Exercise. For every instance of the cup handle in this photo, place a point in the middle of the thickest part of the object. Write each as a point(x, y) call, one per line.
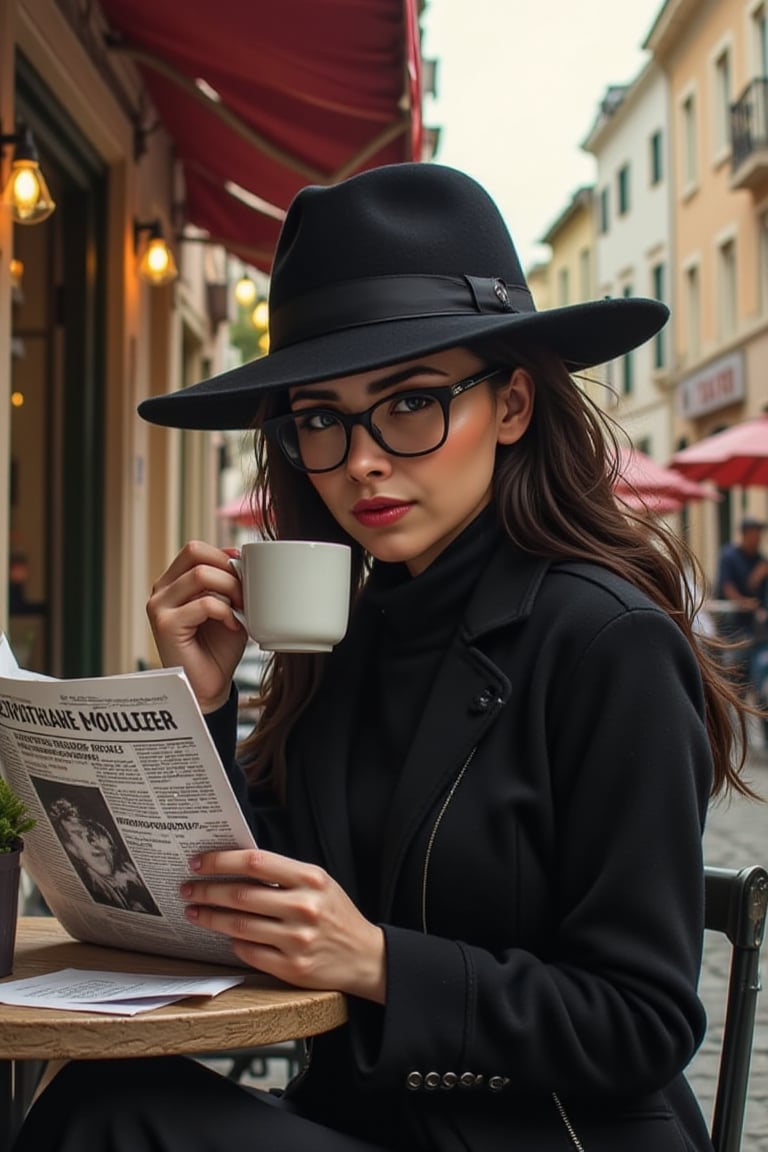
point(234, 563)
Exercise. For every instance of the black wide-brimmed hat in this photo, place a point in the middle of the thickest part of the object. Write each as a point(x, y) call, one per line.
point(395, 263)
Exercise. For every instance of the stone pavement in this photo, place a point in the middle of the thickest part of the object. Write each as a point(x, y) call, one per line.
point(736, 836)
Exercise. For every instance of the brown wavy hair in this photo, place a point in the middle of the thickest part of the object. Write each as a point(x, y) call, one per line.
point(553, 490)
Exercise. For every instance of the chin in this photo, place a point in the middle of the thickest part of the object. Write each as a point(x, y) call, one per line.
point(391, 554)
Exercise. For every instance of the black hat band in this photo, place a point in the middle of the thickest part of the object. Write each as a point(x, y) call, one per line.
point(373, 300)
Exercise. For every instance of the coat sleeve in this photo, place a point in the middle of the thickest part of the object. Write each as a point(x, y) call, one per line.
point(610, 1006)
point(267, 819)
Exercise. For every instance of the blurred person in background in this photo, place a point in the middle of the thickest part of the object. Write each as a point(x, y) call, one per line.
point(743, 580)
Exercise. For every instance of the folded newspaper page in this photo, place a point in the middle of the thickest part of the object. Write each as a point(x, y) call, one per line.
point(125, 783)
point(114, 993)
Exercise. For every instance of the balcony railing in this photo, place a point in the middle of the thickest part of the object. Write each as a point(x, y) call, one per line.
point(749, 135)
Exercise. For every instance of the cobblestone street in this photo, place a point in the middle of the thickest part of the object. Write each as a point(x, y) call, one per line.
point(737, 836)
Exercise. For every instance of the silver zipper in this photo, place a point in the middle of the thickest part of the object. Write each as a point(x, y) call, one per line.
point(566, 1121)
point(427, 860)
point(433, 835)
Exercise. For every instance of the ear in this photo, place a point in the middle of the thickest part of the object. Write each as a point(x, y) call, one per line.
point(514, 406)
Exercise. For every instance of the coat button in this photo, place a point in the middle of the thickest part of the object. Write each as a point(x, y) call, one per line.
point(467, 1080)
point(483, 701)
point(496, 1083)
point(432, 1080)
point(414, 1081)
point(450, 1079)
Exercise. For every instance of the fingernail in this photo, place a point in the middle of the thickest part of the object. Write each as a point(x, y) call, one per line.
point(186, 890)
point(191, 913)
point(195, 863)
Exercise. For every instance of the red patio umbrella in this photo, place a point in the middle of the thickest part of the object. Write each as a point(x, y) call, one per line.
point(645, 486)
point(735, 457)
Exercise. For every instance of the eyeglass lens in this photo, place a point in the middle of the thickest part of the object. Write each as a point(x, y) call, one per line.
point(408, 424)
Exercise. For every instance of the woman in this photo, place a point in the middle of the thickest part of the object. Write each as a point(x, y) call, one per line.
point(480, 817)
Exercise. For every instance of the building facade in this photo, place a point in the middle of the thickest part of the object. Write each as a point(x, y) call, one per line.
point(714, 55)
point(94, 503)
point(88, 337)
point(629, 141)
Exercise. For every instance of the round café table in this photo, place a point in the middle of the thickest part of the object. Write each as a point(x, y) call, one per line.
point(258, 1012)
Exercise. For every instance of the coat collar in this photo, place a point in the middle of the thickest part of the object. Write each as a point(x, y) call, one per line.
point(506, 591)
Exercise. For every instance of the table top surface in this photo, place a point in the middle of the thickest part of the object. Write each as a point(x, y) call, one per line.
point(259, 1011)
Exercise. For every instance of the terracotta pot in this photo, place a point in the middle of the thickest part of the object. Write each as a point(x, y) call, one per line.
point(10, 875)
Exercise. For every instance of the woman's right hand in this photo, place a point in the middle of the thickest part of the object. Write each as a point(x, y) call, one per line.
point(190, 613)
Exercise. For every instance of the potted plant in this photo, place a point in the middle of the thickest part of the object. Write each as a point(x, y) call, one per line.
point(15, 820)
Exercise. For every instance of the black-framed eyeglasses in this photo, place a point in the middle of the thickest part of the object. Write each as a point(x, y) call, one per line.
point(408, 423)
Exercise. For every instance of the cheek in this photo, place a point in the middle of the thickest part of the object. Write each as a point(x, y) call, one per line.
point(468, 437)
point(324, 485)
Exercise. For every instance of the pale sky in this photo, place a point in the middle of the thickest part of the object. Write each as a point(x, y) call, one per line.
point(518, 87)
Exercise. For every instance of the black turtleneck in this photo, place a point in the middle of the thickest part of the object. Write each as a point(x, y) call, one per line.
point(417, 618)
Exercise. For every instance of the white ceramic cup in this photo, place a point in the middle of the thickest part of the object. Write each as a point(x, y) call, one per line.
point(295, 593)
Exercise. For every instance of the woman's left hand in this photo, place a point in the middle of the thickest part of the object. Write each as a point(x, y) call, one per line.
point(289, 919)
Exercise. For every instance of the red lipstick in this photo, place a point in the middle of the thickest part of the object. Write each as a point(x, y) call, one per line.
point(380, 512)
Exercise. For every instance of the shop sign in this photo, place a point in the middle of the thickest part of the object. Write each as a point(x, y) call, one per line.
point(716, 386)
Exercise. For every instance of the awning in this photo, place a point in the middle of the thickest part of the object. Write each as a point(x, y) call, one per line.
point(263, 98)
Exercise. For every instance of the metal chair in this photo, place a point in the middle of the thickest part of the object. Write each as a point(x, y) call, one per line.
point(736, 901)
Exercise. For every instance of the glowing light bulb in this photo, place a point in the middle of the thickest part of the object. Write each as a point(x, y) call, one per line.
point(157, 257)
point(158, 265)
point(260, 315)
point(26, 190)
point(245, 291)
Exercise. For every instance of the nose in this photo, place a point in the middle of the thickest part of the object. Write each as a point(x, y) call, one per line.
point(366, 457)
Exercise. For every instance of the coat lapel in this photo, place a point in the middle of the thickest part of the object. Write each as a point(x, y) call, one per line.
point(469, 692)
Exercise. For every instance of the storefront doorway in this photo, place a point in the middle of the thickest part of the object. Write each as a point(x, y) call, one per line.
point(57, 416)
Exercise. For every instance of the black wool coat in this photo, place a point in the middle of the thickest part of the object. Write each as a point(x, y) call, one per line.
point(541, 886)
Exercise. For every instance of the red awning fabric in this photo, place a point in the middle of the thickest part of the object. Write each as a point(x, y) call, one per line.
point(308, 92)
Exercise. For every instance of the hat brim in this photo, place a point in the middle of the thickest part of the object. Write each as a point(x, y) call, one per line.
point(581, 335)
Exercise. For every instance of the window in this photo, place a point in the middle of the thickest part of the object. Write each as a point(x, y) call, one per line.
point(604, 210)
point(722, 102)
point(689, 158)
point(622, 189)
point(763, 268)
point(585, 274)
point(659, 340)
point(693, 310)
point(563, 287)
point(760, 41)
point(656, 160)
point(627, 362)
point(726, 309)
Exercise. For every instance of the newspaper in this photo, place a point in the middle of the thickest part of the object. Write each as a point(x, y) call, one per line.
point(125, 783)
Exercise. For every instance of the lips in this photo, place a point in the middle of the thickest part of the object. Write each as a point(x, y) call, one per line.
point(380, 512)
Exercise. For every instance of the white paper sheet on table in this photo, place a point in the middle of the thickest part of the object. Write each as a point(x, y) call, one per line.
point(114, 993)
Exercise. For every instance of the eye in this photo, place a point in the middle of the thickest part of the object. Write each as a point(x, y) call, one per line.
point(315, 420)
point(408, 403)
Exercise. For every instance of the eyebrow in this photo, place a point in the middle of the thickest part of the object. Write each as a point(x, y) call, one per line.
point(374, 387)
